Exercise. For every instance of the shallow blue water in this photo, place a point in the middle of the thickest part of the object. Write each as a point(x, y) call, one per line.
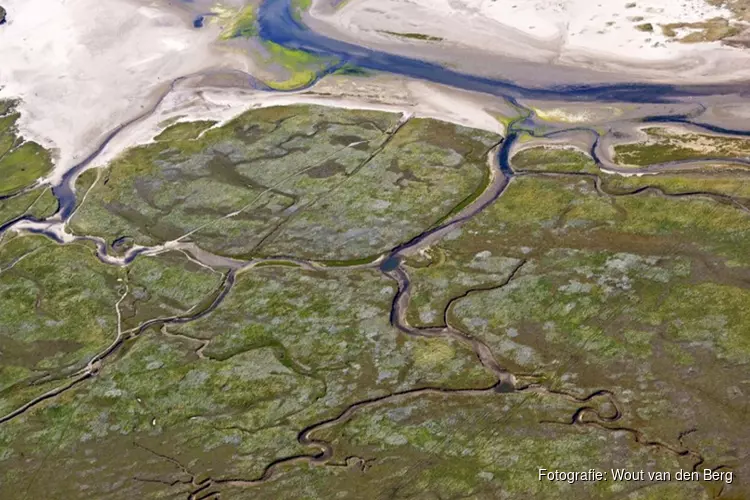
point(278, 24)
point(390, 264)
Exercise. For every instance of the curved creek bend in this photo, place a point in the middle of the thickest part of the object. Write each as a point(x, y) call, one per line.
point(600, 408)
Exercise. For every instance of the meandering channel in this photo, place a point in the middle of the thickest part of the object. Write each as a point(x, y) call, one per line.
point(279, 25)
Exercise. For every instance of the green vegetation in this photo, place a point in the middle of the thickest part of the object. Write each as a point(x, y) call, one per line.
point(286, 170)
point(38, 203)
point(21, 162)
point(413, 36)
point(227, 394)
point(184, 131)
point(242, 24)
point(498, 430)
point(349, 69)
point(435, 285)
point(713, 30)
point(51, 290)
point(544, 159)
point(573, 282)
point(299, 7)
point(665, 145)
point(740, 8)
point(302, 67)
point(722, 181)
point(647, 27)
point(610, 285)
point(58, 306)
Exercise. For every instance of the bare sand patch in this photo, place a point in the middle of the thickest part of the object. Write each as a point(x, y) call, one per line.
point(82, 67)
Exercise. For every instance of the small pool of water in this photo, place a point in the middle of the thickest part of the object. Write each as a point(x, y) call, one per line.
point(390, 264)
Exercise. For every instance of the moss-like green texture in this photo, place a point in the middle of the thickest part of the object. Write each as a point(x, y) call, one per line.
point(642, 294)
point(299, 7)
point(38, 203)
point(57, 306)
point(300, 67)
point(666, 145)
point(21, 162)
point(227, 394)
point(484, 447)
point(549, 159)
point(721, 181)
point(283, 172)
point(712, 30)
point(242, 24)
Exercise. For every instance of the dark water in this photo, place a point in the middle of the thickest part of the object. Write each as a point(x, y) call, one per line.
point(390, 264)
point(200, 19)
point(504, 159)
point(685, 119)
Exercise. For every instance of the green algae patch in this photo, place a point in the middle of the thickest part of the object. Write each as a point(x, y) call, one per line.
point(351, 70)
point(242, 24)
point(301, 67)
point(277, 263)
point(299, 7)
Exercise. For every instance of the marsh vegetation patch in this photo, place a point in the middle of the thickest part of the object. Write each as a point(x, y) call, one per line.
point(664, 145)
point(299, 181)
point(22, 162)
point(303, 381)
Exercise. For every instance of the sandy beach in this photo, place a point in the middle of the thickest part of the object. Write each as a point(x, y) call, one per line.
point(81, 67)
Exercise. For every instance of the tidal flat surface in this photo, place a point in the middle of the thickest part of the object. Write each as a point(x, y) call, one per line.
point(334, 304)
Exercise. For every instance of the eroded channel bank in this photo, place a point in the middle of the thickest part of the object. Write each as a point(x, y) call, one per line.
point(600, 408)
